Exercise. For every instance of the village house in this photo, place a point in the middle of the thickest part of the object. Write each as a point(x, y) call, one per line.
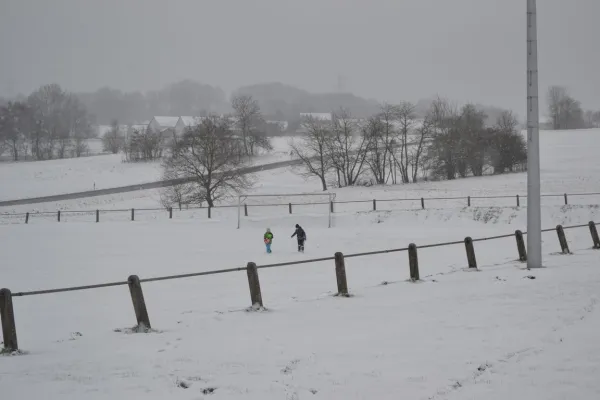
point(170, 126)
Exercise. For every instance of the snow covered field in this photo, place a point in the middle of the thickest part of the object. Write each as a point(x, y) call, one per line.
point(45, 178)
point(569, 163)
point(456, 335)
point(495, 333)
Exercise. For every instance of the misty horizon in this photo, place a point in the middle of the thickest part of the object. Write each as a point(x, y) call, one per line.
point(466, 50)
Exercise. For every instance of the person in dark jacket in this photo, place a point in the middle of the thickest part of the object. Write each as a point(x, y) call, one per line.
point(301, 237)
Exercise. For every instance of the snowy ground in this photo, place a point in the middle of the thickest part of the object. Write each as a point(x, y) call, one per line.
point(491, 334)
point(456, 335)
point(45, 178)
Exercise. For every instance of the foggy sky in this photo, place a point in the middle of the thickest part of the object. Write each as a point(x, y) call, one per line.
point(390, 50)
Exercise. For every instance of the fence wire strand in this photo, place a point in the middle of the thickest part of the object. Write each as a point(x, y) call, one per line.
point(283, 264)
point(465, 198)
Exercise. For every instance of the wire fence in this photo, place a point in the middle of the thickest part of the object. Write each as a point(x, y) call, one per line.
point(141, 312)
point(416, 203)
point(591, 225)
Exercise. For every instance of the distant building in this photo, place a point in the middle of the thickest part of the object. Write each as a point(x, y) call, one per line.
point(168, 125)
point(318, 116)
point(189, 122)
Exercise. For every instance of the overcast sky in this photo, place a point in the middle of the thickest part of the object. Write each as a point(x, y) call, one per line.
point(391, 50)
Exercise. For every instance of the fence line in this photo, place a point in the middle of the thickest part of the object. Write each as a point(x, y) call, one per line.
point(423, 200)
point(143, 322)
point(282, 264)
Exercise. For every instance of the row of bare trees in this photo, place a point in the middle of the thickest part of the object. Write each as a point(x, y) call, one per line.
point(394, 146)
point(50, 123)
point(344, 151)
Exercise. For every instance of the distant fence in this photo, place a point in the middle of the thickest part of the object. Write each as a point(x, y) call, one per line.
point(9, 329)
point(413, 204)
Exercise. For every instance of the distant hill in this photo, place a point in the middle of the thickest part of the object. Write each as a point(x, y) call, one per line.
point(280, 101)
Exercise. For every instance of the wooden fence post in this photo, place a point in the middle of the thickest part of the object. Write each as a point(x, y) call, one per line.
point(254, 283)
point(422, 203)
point(170, 212)
point(58, 216)
point(594, 233)
point(521, 246)
point(468, 201)
point(27, 218)
point(139, 304)
point(470, 252)
point(9, 329)
point(566, 200)
point(518, 201)
point(562, 239)
point(340, 273)
point(290, 207)
point(133, 214)
point(97, 215)
point(245, 210)
point(413, 262)
point(374, 205)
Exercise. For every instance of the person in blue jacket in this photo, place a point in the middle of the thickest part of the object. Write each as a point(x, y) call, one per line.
point(268, 238)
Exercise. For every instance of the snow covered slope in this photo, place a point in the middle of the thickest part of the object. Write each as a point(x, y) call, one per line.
point(457, 333)
point(569, 161)
point(495, 333)
point(45, 178)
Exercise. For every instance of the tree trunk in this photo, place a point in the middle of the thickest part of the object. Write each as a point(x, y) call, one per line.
point(323, 182)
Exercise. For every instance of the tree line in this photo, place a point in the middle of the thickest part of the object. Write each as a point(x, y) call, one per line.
point(394, 146)
point(391, 147)
point(49, 123)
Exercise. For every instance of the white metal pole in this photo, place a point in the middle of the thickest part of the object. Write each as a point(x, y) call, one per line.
point(534, 223)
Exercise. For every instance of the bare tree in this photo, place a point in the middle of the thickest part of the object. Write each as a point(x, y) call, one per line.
point(112, 140)
point(507, 122)
point(596, 120)
point(59, 117)
point(80, 146)
point(406, 120)
point(382, 138)
point(16, 119)
point(78, 125)
point(180, 194)
point(564, 110)
point(442, 155)
point(377, 152)
point(555, 97)
point(312, 149)
point(144, 145)
point(473, 139)
point(507, 145)
point(249, 121)
point(346, 149)
point(47, 103)
point(424, 134)
point(589, 119)
point(208, 155)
